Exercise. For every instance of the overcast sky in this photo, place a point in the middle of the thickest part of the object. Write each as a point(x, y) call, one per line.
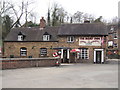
point(106, 8)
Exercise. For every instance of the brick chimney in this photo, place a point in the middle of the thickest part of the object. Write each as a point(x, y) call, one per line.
point(42, 23)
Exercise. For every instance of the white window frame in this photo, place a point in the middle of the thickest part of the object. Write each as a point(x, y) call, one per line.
point(20, 37)
point(84, 53)
point(46, 37)
point(43, 52)
point(69, 39)
point(23, 51)
point(102, 56)
point(110, 43)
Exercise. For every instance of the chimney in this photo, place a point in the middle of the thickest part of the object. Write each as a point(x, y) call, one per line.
point(42, 23)
point(86, 21)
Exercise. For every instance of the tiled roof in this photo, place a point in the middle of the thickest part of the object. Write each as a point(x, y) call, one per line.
point(32, 34)
point(83, 29)
point(35, 34)
point(114, 27)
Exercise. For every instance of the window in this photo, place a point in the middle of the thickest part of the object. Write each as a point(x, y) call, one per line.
point(83, 53)
point(43, 51)
point(115, 45)
point(97, 38)
point(20, 37)
point(23, 51)
point(82, 38)
point(110, 43)
point(115, 35)
point(46, 37)
point(70, 39)
point(88, 38)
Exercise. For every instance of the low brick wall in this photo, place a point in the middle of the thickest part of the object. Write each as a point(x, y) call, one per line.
point(12, 63)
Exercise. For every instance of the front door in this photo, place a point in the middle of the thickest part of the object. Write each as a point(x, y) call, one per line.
point(65, 60)
point(98, 56)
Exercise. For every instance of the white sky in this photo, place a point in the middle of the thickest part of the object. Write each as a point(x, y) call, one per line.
point(106, 8)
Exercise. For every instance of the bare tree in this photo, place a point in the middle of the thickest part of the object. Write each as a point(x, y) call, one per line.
point(48, 17)
point(58, 15)
point(62, 14)
point(27, 12)
point(114, 20)
point(91, 18)
point(33, 16)
point(54, 14)
point(78, 17)
point(4, 8)
point(15, 12)
point(85, 16)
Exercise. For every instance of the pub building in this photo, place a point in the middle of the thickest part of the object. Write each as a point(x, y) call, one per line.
point(73, 43)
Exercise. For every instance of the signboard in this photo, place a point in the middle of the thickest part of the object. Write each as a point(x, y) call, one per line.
point(90, 41)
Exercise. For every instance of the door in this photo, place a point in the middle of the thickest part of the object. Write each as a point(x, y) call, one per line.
point(65, 60)
point(98, 56)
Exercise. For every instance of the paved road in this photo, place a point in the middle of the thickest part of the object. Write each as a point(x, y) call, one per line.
point(66, 76)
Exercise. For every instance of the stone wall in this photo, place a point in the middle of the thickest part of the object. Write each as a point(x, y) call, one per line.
point(27, 62)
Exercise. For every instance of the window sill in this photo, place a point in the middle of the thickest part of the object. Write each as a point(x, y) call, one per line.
point(70, 42)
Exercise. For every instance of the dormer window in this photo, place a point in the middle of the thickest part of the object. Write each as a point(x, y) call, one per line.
point(46, 37)
point(21, 36)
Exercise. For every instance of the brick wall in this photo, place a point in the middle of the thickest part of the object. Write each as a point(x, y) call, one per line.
point(25, 62)
point(75, 45)
point(33, 48)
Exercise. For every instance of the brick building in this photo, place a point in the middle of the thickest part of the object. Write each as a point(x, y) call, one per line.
point(113, 44)
point(36, 42)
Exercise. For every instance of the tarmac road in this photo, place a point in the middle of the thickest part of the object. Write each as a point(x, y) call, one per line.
point(65, 76)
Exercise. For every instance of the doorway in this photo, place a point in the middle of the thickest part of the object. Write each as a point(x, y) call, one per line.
point(98, 56)
point(65, 60)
